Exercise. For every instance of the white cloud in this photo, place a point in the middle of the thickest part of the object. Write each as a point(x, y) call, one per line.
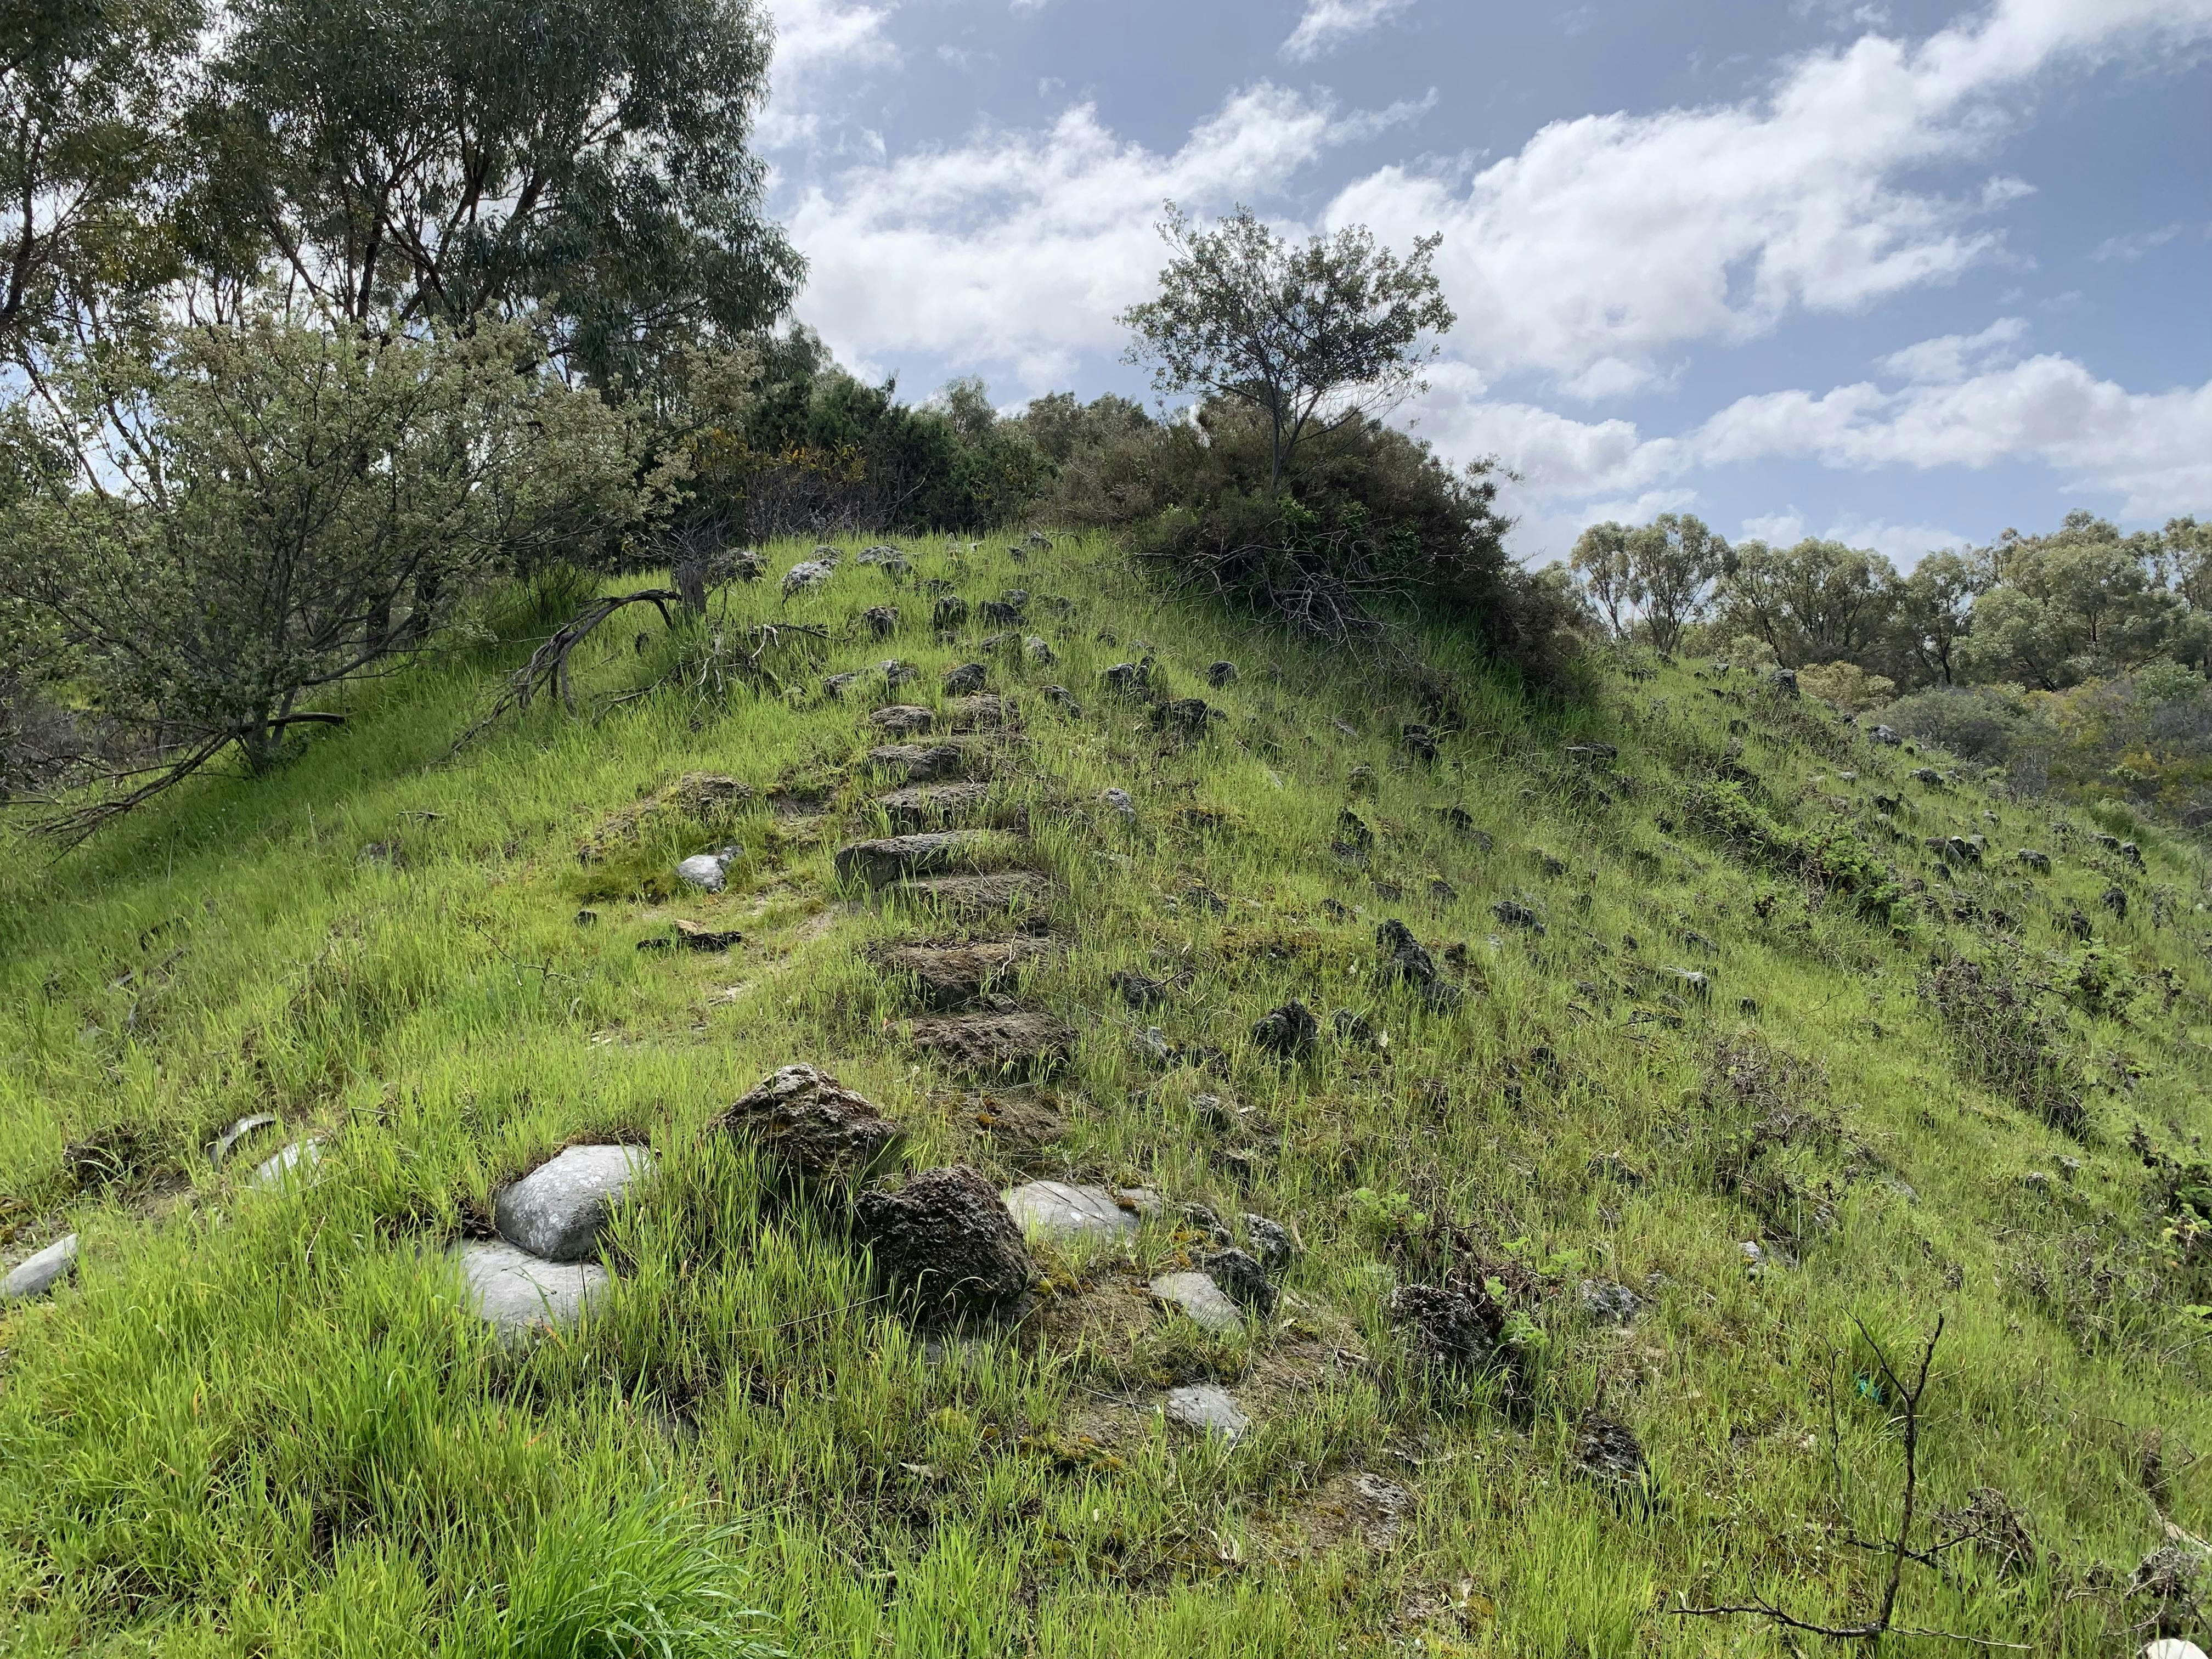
point(2129, 248)
point(1018, 246)
point(1327, 24)
point(1610, 239)
point(1952, 357)
point(815, 41)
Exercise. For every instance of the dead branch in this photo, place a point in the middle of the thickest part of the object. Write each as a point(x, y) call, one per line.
point(1899, 1546)
point(548, 667)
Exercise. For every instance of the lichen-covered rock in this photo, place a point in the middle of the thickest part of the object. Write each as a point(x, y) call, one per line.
point(1242, 1279)
point(965, 680)
point(709, 800)
point(1001, 894)
point(903, 719)
point(930, 762)
point(945, 1240)
point(1289, 1030)
point(559, 1209)
point(922, 804)
point(812, 1130)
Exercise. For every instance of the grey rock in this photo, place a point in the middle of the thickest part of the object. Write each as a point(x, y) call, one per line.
point(1127, 678)
point(1209, 1409)
point(955, 974)
point(1064, 700)
point(1454, 1327)
point(881, 620)
point(227, 1142)
point(925, 762)
point(835, 686)
point(520, 1296)
point(1608, 1450)
point(968, 678)
point(2038, 862)
point(880, 554)
point(1202, 1300)
point(1040, 651)
point(993, 1042)
point(1067, 1214)
point(1885, 737)
point(1119, 801)
point(558, 1209)
point(35, 1275)
point(287, 1164)
point(705, 870)
point(1275, 1242)
point(982, 713)
point(1612, 1303)
point(969, 898)
point(924, 804)
point(950, 611)
point(809, 574)
point(903, 719)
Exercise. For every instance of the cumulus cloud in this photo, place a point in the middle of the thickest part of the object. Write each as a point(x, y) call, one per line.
point(1327, 24)
point(1019, 246)
point(1608, 240)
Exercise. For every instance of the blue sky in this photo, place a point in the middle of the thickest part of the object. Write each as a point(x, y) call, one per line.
point(1906, 273)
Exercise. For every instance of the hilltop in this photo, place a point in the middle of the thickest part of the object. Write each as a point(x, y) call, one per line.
point(1675, 1053)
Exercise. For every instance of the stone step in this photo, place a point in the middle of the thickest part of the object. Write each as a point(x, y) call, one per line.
point(880, 863)
point(997, 1043)
point(981, 897)
point(934, 763)
point(953, 975)
point(925, 803)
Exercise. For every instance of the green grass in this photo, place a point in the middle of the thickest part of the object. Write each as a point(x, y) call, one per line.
point(261, 1422)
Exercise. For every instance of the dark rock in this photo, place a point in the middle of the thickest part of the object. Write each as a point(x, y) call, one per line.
point(1553, 868)
point(982, 713)
point(951, 611)
point(1964, 851)
point(999, 614)
point(945, 1240)
point(1420, 741)
point(1354, 829)
point(1064, 700)
point(1221, 675)
point(1275, 1242)
point(997, 1043)
point(880, 863)
point(1289, 1030)
point(812, 1130)
point(2132, 853)
point(954, 974)
point(1352, 1026)
point(1242, 1280)
point(1039, 651)
point(896, 673)
point(1127, 678)
point(1441, 892)
point(697, 936)
point(963, 681)
point(1454, 1326)
point(1608, 1302)
point(1784, 680)
point(1137, 990)
point(1361, 781)
point(1457, 819)
point(1607, 1450)
point(1405, 961)
point(1513, 914)
point(2115, 899)
point(1335, 909)
point(1927, 774)
point(2038, 862)
point(1187, 716)
point(903, 719)
point(1885, 737)
point(833, 686)
point(881, 620)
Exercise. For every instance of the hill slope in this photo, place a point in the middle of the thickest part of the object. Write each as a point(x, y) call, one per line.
point(1738, 1032)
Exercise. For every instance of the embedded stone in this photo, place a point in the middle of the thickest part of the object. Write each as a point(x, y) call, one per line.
point(559, 1209)
point(927, 762)
point(1067, 1214)
point(953, 975)
point(967, 678)
point(880, 863)
point(970, 898)
point(1200, 1299)
point(708, 871)
point(35, 1275)
point(520, 1296)
point(931, 803)
point(287, 1164)
point(903, 718)
point(997, 1043)
point(1209, 1409)
point(981, 713)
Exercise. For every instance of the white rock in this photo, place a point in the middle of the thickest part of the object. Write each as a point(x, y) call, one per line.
point(225, 1143)
point(1208, 1409)
point(2173, 1647)
point(705, 870)
point(807, 574)
point(556, 1210)
point(1067, 1214)
point(520, 1295)
point(1202, 1299)
point(289, 1162)
point(36, 1275)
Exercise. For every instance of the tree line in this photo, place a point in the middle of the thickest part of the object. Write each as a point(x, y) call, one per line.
point(2073, 658)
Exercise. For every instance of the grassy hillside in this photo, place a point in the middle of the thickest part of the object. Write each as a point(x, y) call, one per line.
point(1761, 1010)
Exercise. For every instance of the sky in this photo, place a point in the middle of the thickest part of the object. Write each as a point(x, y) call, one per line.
point(1903, 274)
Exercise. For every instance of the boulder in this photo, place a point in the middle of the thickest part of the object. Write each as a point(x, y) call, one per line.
point(520, 1296)
point(809, 574)
point(1220, 675)
point(927, 762)
point(1067, 1214)
point(1208, 1408)
point(1242, 1279)
point(1452, 1327)
point(881, 862)
point(706, 871)
point(811, 1129)
point(996, 1043)
point(903, 719)
point(1197, 1297)
point(945, 1239)
point(980, 713)
point(954, 974)
point(1289, 1030)
point(35, 1275)
point(965, 680)
point(558, 1210)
